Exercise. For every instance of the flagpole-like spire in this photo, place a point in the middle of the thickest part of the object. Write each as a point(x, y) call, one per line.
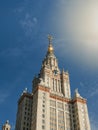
point(50, 47)
point(50, 39)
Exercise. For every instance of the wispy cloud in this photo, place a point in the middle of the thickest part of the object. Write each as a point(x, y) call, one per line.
point(3, 97)
point(28, 24)
point(11, 52)
point(94, 123)
point(93, 93)
point(94, 90)
point(12, 126)
point(27, 19)
point(17, 51)
point(90, 88)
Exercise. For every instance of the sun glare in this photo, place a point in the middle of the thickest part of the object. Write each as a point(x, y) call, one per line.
point(79, 24)
point(94, 20)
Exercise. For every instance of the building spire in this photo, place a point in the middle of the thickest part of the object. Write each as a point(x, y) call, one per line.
point(6, 126)
point(50, 39)
point(50, 47)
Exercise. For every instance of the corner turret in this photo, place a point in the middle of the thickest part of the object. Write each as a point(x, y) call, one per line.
point(6, 126)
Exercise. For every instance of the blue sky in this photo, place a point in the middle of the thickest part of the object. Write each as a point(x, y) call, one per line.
point(24, 26)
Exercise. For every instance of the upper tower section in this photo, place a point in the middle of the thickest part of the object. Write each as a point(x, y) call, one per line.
point(50, 75)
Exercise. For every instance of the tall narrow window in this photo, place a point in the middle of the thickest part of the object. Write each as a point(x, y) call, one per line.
point(54, 62)
point(56, 84)
point(59, 86)
point(61, 120)
point(53, 83)
point(53, 119)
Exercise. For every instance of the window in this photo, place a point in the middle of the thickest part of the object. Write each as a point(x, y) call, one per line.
point(43, 121)
point(60, 105)
point(60, 120)
point(26, 104)
point(43, 97)
point(52, 103)
point(53, 83)
point(68, 121)
point(66, 107)
point(44, 94)
point(43, 105)
point(23, 128)
point(24, 118)
point(43, 101)
point(43, 110)
point(53, 119)
point(28, 113)
point(59, 86)
point(43, 127)
point(43, 115)
point(48, 81)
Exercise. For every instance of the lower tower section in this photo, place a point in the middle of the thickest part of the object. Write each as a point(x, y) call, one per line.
point(41, 110)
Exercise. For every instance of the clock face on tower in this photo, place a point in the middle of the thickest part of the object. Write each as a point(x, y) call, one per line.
point(55, 72)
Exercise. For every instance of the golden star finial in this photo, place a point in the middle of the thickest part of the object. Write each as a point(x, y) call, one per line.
point(50, 47)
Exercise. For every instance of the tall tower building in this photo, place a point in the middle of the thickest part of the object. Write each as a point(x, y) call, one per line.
point(50, 105)
point(6, 126)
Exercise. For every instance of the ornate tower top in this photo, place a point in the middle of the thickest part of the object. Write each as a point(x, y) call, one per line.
point(50, 60)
